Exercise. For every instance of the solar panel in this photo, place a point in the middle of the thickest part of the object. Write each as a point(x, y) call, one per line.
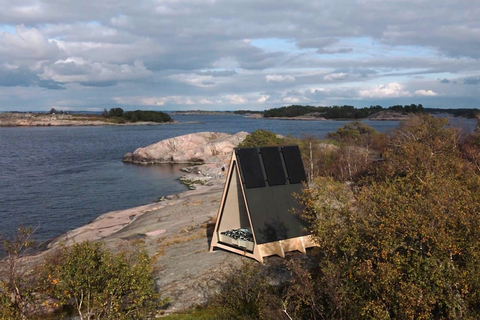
point(251, 167)
point(272, 162)
point(294, 164)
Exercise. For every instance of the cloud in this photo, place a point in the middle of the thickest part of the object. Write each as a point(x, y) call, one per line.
point(223, 73)
point(27, 44)
point(471, 80)
point(194, 79)
point(316, 43)
point(279, 78)
point(390, 90)
point(263, 98)
point(425, 93)
point(12, 76)
point(213, 54)
point(335, 76)
point(82, 71)
point(333, 51)
point(291, 100)
point(236, 99)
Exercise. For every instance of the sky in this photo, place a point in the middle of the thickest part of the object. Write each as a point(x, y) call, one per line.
point(237, 55)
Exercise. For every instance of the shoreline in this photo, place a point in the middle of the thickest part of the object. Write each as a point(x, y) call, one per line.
point(12, 119)
point(176, 233)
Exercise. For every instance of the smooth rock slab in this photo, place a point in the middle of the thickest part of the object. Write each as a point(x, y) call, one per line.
point(194, 148)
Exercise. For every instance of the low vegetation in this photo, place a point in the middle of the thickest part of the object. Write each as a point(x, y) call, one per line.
point(85, 279)
point(400, 240)
point(261, 138)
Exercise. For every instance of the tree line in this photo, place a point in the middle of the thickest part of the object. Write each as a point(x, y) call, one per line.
point(137, 115)
point(350, 112)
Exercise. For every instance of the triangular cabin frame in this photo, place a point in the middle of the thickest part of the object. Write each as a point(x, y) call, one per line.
point(258, 195)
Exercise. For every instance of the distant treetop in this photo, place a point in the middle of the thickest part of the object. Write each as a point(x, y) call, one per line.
point(139, 115)
point(338, 112)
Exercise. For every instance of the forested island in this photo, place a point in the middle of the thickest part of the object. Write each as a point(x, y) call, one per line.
point(350, 112)
point(116, 116)
point(136, 116)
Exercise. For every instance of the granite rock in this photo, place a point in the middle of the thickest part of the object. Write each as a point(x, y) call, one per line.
point(194, 148)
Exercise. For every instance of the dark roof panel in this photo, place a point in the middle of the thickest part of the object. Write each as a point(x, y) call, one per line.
point(251, 167)
point(294, 164)
point(272, 162)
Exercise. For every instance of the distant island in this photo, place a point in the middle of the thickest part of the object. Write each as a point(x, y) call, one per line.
point(115, 116)
point(202, 113)
point(346, 112)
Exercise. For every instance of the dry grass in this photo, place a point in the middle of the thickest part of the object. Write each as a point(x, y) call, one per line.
point(137, 242)
point(187, 236)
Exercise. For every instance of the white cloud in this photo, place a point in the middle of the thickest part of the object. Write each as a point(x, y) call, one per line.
point(27, 44)
point(390, 90)
point(236, 99)
point(425, 93)
point(279, 78)
point(291, 100)
point(263, 98)
point(194, 79)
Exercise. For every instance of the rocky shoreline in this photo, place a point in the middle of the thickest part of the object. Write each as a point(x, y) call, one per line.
point(15, 119)
point(176, 230)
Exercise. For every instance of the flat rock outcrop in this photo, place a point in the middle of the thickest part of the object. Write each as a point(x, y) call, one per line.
point(12, 119)
point(194, 148)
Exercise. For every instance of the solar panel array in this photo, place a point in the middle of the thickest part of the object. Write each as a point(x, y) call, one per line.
point(280, 164)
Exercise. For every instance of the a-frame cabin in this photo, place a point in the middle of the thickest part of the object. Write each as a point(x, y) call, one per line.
point(256, 216)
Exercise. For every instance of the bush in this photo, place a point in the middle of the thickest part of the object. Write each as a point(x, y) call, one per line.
point(261, 138)
point(246, 294)
point(405, 242)
point(102, 285)
point(17, 297)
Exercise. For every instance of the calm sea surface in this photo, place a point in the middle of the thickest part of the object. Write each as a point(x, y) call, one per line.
point(59, 178)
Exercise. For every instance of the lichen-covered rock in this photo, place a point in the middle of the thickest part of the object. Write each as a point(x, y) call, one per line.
point(194, 148)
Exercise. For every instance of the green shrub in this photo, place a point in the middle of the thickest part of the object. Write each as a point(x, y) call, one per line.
point(404, 243)
point(261, 138)
point(100, 284)
point(246, 294)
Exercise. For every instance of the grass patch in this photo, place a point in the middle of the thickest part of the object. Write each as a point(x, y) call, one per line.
point(208, 313)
